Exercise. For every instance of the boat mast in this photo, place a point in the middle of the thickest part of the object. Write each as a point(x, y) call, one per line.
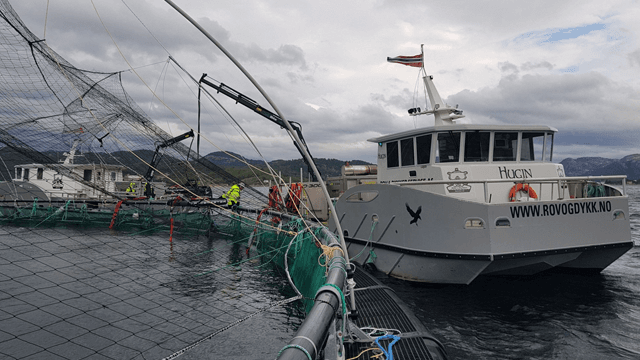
point(443, 113)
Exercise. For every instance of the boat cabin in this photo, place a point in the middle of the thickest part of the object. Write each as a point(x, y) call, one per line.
point(58, 186)
point(467, 152)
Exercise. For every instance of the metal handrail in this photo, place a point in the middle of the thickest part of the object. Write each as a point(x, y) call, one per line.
point(560, 181)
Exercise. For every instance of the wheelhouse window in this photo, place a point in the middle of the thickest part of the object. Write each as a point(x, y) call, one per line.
point(113, 176)
point(406, 152)
point(423, 147)
point(532, 146)
point(87, 175)
point(18, 173)
point(26, 175)
point(548, 147)
point(476, 146)
point(40, 173)
point(392, 154)
point(448, 147)
point(505, 146)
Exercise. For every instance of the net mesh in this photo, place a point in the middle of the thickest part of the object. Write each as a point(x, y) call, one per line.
point(89, 272)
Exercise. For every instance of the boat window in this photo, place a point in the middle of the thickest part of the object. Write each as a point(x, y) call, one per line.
point(476, 146)
point(548, 147)
point(448, 149)
point(406, 152)
point(531, 146)
point(18, 173)
point(505, 146)
point(26, 174)
point(392, 154)
point(40, 173)
point(113, 176)
point(87, 175)
point(474, 223)
point(618, 215)
point(423, 145)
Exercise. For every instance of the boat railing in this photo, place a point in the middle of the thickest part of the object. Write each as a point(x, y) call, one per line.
point(573, 186)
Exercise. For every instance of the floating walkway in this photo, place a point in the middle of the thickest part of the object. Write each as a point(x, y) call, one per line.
point(380, 308)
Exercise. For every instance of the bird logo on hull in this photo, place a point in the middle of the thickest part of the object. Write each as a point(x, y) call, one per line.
point(414, 214)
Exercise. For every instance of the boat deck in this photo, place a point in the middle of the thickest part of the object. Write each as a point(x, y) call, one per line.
point(379, 307)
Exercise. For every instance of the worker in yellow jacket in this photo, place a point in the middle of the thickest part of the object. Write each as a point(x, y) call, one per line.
point(233, 196)
point(132, 187)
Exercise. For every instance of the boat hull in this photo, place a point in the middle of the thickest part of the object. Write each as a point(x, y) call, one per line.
point(425, 237)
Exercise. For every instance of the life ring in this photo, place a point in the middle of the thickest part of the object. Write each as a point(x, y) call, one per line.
point(524, 188)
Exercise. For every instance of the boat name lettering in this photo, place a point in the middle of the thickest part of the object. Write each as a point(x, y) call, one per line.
point(590, 207)
point(401, 181)
point(514, 173)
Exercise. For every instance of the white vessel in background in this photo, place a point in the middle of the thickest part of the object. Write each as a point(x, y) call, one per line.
point(47, 183)
point(455, 201)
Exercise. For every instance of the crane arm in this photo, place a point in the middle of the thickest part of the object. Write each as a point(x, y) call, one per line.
point(251, 104)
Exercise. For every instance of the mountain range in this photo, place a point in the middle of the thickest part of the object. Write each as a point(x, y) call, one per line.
point(233, 163)
point(590, 166)
point(584, 166)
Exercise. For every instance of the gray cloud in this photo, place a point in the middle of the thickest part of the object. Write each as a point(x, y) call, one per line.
point(634, 58)
point(532, 66)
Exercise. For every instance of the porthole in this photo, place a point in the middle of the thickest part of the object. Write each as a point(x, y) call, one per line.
point(503, 222)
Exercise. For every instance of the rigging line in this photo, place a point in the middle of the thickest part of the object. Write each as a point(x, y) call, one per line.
point(166, 105)
point(46, 17)
point(171, 58)
point(219, 106)
point(149, 88)
point(271, 172)
point(145, 26)
point(303, 149)
point(164, 68)
point(155, 95)
point(52, 56)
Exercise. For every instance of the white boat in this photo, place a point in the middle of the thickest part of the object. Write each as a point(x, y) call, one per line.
point(62, 181)
point(456, 201)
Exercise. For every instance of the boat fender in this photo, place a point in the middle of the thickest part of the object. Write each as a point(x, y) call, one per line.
point(524, 188)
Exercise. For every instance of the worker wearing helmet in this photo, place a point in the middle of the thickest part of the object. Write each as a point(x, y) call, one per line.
point(233, 196)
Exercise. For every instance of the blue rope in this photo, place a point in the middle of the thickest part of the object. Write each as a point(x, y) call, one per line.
point(387, 355)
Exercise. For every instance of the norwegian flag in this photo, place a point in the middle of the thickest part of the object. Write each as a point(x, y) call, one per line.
point(415, 61)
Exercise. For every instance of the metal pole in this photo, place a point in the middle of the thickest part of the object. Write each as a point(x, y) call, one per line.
point(323, 186)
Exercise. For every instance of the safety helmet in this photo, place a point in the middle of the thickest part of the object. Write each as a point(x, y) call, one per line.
point(241, 185)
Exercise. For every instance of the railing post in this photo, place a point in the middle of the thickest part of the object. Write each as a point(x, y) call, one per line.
point(624, 186)
point(486, 192)
point(560, 191)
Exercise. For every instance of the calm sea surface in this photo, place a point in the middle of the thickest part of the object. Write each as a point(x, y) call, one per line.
point(550, 316)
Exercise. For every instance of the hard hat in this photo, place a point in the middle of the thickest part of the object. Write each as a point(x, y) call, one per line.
point(241, 185)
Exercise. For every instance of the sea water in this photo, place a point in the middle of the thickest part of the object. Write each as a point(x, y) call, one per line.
point(548, 316)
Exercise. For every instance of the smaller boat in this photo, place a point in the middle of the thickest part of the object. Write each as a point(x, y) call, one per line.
point(50, 183)
point(456, 201)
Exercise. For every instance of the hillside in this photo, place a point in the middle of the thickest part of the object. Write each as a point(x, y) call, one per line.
point(590, 166)
point(288, 168)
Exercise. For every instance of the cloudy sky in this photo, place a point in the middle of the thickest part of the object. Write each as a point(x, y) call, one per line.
point(573, 65)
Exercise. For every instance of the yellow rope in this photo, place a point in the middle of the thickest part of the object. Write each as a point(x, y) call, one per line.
point(327, 253)
point(364, 351)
